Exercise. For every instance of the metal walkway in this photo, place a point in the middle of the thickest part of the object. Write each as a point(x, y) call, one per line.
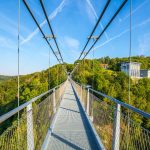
point(71, 129)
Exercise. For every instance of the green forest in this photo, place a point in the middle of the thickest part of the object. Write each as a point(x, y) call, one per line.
point(115, 83)
point(30, 86)
point(114, 63)
point(4, 78)
point(112, 82)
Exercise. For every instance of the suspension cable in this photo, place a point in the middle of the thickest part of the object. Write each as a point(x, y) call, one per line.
point(27, 6)
point(97, 23)
point(114, 16)
point(18, 72)
point(116, 13)
point(48, 21)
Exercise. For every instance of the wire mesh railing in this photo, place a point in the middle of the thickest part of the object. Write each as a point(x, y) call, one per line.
point(36, 117)
point(15, 134)
point(115, 127)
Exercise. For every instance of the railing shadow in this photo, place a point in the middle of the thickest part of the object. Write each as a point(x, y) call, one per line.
point(66, 142)
point(70, 110)
point(89, 133)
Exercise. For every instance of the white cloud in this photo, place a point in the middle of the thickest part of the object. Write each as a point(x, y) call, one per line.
point(93, 13)
point(144, 22)
point(120, 19)
point(122, 33)
point(135, 10)
point(8, 40)
point(7, 43)
point(72, 43)
point(144, 44)
point(45, 55)
point(92, 8)
point(10, 26)
point(71, 47)
point(111, 39)
point(51, 17)
point(7, 25)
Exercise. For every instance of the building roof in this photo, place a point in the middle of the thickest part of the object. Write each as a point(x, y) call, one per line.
point(144, 70)
point(105, 66)
point(131, 63)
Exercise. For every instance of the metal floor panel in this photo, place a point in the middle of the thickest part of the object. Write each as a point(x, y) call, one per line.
point(71, 130)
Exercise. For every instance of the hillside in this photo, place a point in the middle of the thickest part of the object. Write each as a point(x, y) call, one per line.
point(4, 78)
point(116, 84)
point(114, 63)
point(31, 85)
point(112, 82)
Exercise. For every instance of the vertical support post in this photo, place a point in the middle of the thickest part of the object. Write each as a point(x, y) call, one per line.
point(59, 91)
point(30, 136)
point(116, 128)
point(81, 93)
point(88, 102)
point(54, 101)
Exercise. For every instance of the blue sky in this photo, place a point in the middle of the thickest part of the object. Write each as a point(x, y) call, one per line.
point(72, 22)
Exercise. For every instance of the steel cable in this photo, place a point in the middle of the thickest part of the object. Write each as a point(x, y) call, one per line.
point(129, 84)
point(18, 95)
point(97, 23)
point(48, 21)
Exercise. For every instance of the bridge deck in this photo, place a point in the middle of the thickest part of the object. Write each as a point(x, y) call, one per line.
point(71, 130)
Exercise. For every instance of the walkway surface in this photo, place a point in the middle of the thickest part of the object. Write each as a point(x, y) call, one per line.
point(71, 130)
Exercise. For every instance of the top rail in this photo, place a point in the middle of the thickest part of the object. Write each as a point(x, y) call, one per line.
point(144, 114)
point(14, 111)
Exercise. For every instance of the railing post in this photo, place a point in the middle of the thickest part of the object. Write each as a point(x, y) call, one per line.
point(59, 92)
point(116, 128)
point(88, 102)
point(30, 136)
point(54, 101)
point(81, 93)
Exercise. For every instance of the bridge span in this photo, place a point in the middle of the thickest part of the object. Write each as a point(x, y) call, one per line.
point(71, 129)
point(73, 116)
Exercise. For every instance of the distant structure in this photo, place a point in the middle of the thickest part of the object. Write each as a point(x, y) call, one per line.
point(134, 68)
point(144, 73)
point(105, 66)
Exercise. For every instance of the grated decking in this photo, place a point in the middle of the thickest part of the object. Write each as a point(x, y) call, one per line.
point(71, 130)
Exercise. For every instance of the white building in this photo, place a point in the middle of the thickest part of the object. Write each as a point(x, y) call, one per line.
point(134, 68)
point(144, 73)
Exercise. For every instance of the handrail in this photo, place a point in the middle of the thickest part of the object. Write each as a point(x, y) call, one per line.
point(14, 111)
point(144, 114)
point(79, 83)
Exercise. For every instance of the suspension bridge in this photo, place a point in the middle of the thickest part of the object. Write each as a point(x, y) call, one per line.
point(72, 115)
